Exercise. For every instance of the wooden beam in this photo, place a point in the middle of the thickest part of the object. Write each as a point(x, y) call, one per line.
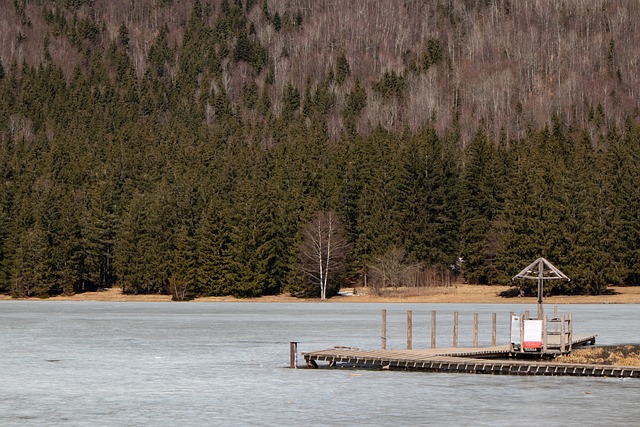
point(293, 354)
point(383, 335)
point(455, 329)
point(409, 330)
point(475, 330)
point(493, 329)
point(433, 329)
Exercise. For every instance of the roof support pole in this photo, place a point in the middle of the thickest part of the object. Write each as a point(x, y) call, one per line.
point(540, 289)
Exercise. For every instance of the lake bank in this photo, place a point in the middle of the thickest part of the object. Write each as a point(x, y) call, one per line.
point(458, 294)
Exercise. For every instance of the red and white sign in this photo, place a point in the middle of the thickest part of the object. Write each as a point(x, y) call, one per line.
point(532, 338)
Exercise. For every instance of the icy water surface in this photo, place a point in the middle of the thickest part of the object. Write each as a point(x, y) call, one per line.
point(208, 364)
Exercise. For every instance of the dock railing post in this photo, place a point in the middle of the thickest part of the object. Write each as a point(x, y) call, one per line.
point(511, 343)
point(493, 329)
point(475, 330)
point(521, 333)
point(433, 329)
point(293, 355)
point(383, 335)
point(562, 335)
point(455, 329)
point(545, 323)
point(409, 330)
point(570, 325)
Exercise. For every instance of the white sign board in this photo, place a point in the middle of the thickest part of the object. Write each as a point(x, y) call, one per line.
point(532, 334)
point(515, 330)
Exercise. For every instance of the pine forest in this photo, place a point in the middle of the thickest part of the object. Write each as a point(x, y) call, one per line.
point(216, 147)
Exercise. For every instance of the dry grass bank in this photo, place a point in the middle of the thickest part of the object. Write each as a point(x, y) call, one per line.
point(621, 355)
point(479, 294)
point(461, 294)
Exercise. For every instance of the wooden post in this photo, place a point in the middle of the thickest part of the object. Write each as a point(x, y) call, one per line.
point(544, 334)
point(511, 344)
point(521, 332)
point(540, 289)
point(475, 330)
point(384, 329)
point(455, 329)
point(493, 329)
point(562, 334)
point(570, 325)
point(433, 329)
point(293, 354)
point(409, 330)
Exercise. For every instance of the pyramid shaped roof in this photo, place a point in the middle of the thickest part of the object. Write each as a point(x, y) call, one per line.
point(541, 269)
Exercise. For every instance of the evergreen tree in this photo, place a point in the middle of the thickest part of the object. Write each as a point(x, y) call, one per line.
point(378, 222)
point(356, 102)
point(214, 253)
point(144, 244)
point(244, 247)
point(29, 273)
point(182, 280)
point(123, 36)
point(5, 233)
point(277, 22)
point(521, 240)
point(342, 69)
point(589, 224)
point(427, 200)
point(160, 54)
point(623, 165)
point(290, 101)
point(480, 206)
point(100, 221)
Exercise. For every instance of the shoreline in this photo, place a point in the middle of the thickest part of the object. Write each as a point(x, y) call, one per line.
point(458, 294)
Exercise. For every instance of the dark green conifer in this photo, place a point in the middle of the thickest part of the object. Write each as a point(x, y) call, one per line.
point(342, 69)
point(427, 200)
point(214, 273)
point(480, 206)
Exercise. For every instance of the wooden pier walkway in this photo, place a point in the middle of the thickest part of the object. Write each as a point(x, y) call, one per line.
point(488, 360)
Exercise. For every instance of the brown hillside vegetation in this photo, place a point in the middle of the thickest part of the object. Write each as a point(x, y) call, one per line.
point(507, 64)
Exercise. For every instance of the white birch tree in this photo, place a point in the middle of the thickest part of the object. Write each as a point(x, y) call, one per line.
point(323, 250)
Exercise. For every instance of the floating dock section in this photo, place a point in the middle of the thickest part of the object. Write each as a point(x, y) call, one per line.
point(457, 361)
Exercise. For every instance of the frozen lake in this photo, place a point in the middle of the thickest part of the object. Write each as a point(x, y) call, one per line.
point(165, 364)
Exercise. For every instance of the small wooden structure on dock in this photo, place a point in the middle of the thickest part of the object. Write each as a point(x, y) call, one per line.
point(541, 270)
point(544, 337)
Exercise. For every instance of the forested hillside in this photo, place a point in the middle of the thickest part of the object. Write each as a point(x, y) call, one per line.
point(183, 147)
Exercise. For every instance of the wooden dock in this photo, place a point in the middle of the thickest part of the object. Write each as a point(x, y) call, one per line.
point(533, 349)
point(497, 360)
point(425, 360)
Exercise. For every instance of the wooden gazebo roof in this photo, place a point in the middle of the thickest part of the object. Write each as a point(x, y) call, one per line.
point(541, 270)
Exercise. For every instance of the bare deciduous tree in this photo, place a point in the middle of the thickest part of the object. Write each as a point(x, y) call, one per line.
point(392, 268)
point(323, 250)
